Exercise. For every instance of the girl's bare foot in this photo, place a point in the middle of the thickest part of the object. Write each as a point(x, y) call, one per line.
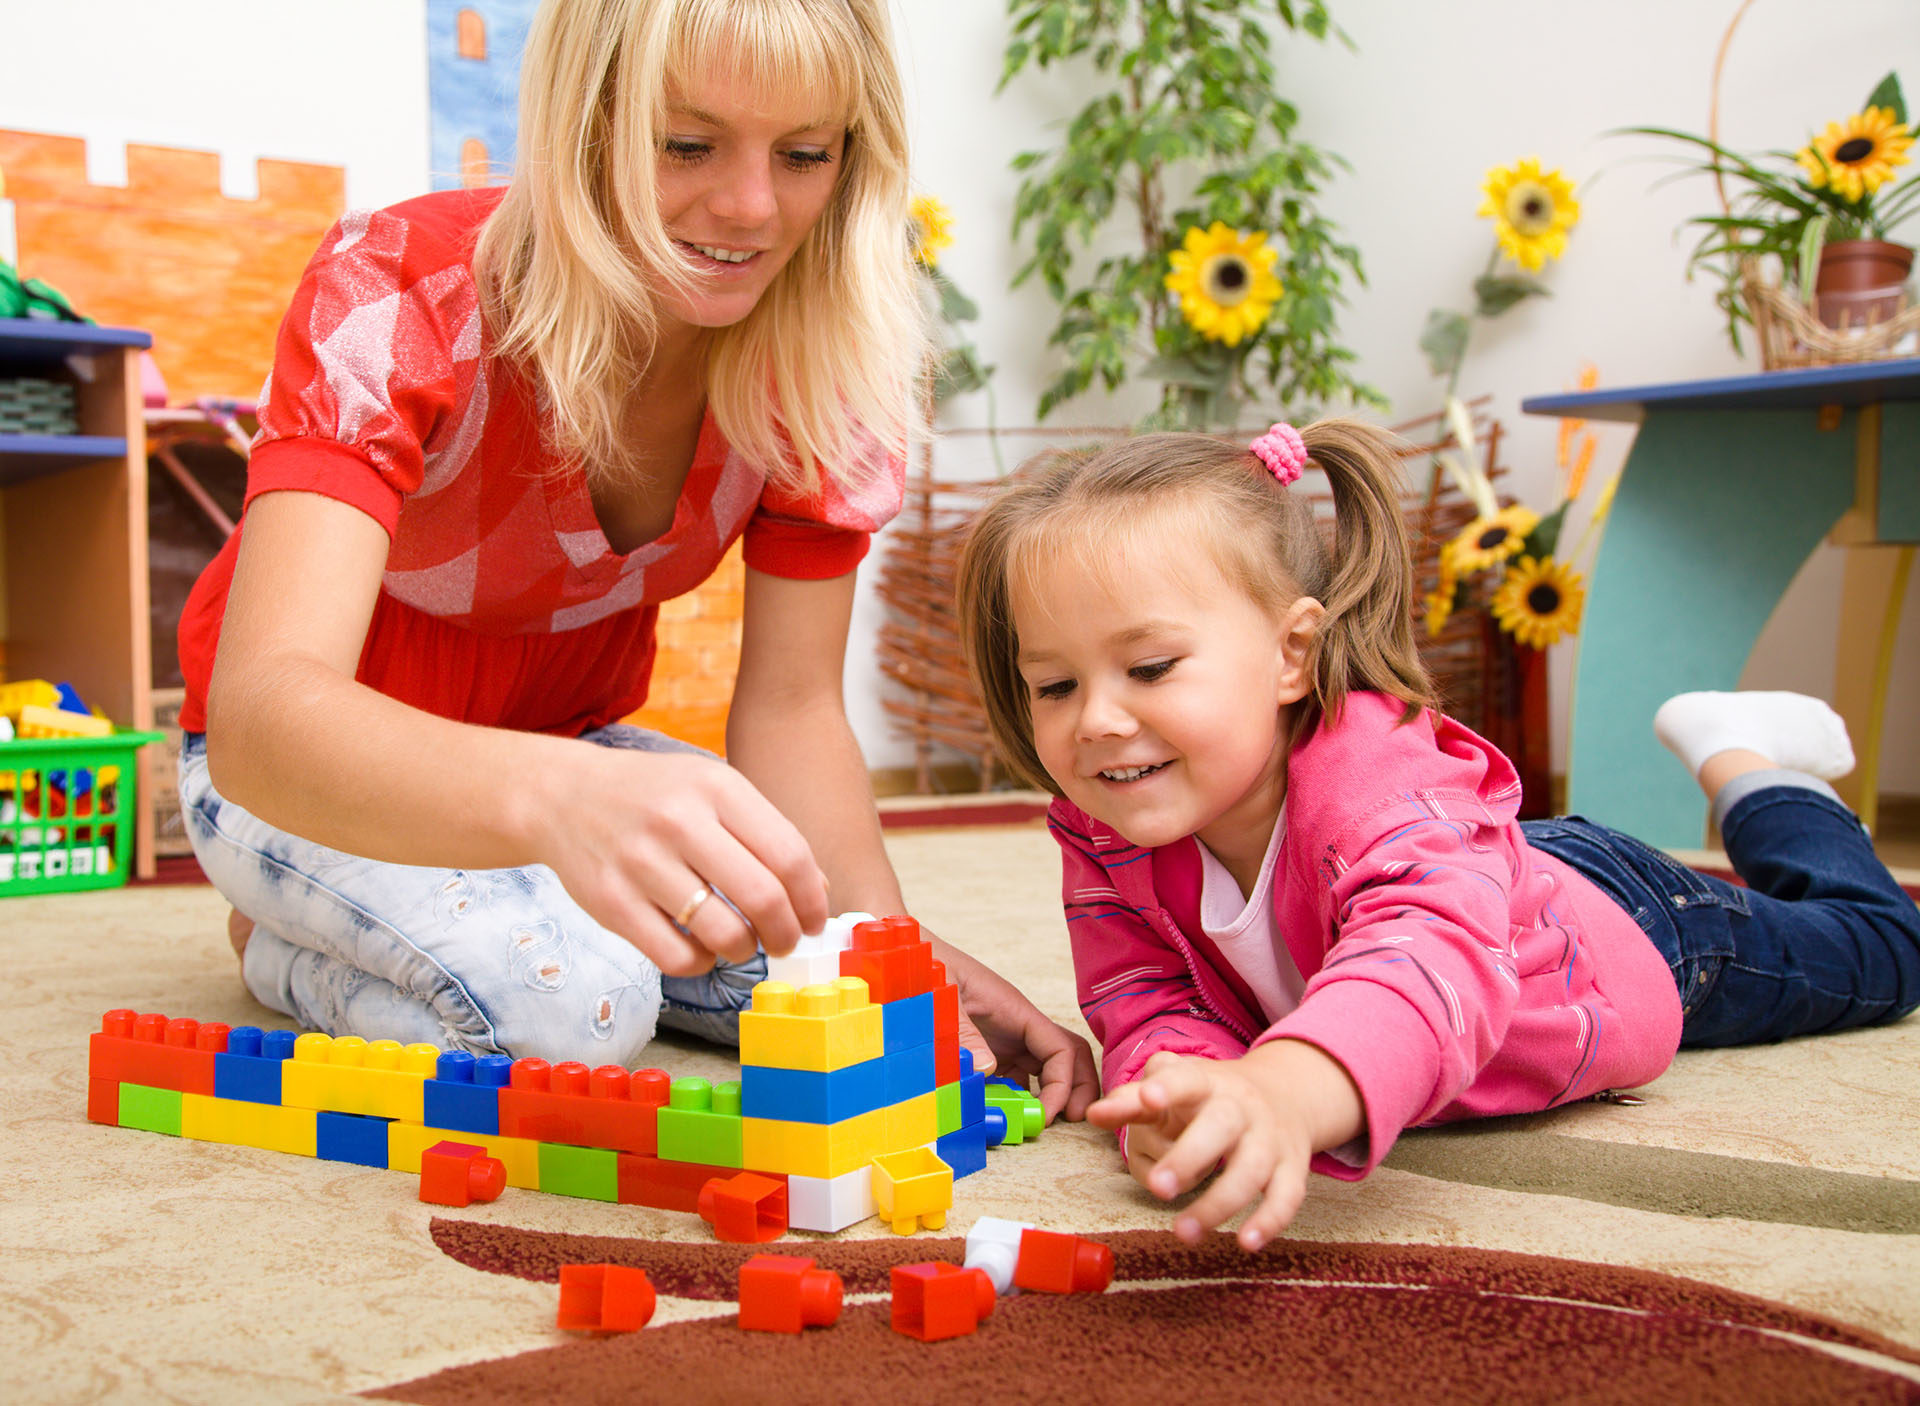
point(239, 929)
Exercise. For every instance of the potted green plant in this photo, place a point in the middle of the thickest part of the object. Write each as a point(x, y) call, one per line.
point(1827, 212)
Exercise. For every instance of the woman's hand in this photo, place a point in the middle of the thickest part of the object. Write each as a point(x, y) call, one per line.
point(1257, 1119)
point(635, 837)
point(1009, 1036)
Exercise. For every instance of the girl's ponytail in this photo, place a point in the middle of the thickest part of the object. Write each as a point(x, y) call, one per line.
point(1367, 639)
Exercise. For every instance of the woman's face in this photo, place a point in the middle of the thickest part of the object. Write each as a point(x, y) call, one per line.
point(742, 181)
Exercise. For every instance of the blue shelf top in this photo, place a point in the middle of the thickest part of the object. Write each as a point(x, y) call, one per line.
point(21, 336)
point(1859, 383)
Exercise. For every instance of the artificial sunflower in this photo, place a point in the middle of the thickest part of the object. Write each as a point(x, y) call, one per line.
point(1531, 210)
point(1488, 541)
point(1225, 282)
point(1539, 602)
point(1857, 156)
point(929, 229)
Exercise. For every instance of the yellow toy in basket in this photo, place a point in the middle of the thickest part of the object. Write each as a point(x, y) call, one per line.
point(37, 721)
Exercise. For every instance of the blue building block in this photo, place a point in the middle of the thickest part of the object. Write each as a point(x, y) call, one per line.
point(906, 1023)
point(964, 1151)
point(249, 1069)
point(809, 1096)
point(351, 1137)
point(463, 1096)
point(973, 1091)
point(910, 1073)
point(995, 1124)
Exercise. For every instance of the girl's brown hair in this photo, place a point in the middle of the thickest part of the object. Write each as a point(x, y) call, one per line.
point(1216, 498)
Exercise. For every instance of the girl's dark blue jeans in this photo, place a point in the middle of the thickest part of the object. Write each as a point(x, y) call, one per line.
point(1822, 939)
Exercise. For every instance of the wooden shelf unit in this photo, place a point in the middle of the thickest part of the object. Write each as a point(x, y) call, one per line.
point(73, 533)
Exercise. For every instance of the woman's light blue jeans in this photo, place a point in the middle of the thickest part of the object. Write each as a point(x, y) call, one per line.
point(495, 961)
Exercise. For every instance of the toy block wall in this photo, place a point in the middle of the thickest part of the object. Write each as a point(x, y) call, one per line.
point(699, 653)
point(208, 275)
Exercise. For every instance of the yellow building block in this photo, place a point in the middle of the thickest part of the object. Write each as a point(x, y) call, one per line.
point(912, 1189)
point(243, 1124)
point(521, 1156)
point(38, 722)
point(36, 693)
point(822, 1150)
point(821, 1028)
point(914, 1123)
point(381, 1080)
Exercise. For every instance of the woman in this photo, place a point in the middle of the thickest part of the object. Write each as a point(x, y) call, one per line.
point(501, 427)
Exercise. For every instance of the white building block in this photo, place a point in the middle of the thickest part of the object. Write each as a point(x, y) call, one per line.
point(816, 958)
point(817, 1203)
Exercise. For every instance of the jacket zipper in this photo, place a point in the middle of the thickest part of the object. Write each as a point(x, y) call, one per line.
point(1161, 921)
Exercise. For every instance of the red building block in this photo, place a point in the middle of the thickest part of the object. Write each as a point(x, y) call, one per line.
point(1062, 1264)
point(604, 1298)
point(568, 1103)
point(746, 1209)
point(103, 1101)
point(667, 1186)
point(935, 1301)
point(786, 1294)
point(155, 1051)
point(459, 1173)
point(946, 1027)
point(891, 956)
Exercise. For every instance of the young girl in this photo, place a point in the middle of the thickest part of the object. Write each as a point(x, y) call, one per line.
point(1303, 916)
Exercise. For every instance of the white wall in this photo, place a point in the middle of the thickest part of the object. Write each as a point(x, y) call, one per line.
point(1430, 97)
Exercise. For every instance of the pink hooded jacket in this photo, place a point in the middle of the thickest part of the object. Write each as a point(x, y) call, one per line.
point(1453, 970)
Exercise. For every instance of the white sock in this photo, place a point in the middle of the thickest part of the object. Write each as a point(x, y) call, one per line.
point(1790, 729)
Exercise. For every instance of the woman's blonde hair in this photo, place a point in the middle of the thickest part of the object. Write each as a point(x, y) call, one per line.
point(569, 263)
point(1194, 495)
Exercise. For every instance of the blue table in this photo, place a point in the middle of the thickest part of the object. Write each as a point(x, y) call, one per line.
point(1729, 487)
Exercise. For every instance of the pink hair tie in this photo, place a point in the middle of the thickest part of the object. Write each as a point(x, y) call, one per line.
point(1283, 452)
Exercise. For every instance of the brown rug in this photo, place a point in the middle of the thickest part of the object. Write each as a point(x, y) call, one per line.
point(1333, 1322)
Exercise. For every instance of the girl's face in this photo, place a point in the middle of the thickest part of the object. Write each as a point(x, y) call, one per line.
point(1159, 707)
point(740, 187)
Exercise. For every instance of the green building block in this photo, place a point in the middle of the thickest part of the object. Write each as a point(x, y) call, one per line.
point(589, 1172)
point(701, 1123)
point(1025, 1115)
point(152, 1110)
point(946, 1108)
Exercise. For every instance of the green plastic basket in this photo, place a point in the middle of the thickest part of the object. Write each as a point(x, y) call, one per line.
point(67, 808)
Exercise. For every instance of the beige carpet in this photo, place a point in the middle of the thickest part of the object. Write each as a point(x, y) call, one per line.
point(140, 1266)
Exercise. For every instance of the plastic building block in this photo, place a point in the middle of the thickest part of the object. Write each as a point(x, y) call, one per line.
point(932, 1302)
point(746, 1208)
point(249, 1067)
point(153, 1110)
point(891, 956)
point(604, 1298)
point(351, 1137)
point(993, 1246)
point(39, 722)
point(909, 1072)
point(810, 1095)
point(156, 1052)
point(22, 693)
point(823, 1028)
point(817, 1149)
point(641, 1180)
point(1025, 1116)
point(815, 959)
point(786, 1294)
point(349, 1075)
point(701, 1123)
point(1062, 1264)
point(965, 1150)
point(907, 1022)
point(946, 1109)
point(408, 1142)
point(464, 1093)
point(830, 1203)
point(946, 1028)
point(459, 1173)
point(913, 1123)
point(264, 1125)
point(994, 1120)
point(591, 1173)
point(569, 1103)
point(973, 1091)
point(912, 1189)
point(103, 1102)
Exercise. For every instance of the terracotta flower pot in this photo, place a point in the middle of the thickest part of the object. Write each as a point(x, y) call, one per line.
point(1861, 281)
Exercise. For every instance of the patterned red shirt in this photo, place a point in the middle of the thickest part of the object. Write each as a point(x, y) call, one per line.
point(502, 602)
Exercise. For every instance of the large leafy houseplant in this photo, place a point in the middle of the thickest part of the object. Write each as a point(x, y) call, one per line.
point(1226, 280)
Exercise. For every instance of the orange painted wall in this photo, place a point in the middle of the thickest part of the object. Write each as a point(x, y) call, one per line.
point(698, 658)
point(209, 276)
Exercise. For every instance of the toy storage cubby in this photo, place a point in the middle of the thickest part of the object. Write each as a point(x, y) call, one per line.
point(73, 532)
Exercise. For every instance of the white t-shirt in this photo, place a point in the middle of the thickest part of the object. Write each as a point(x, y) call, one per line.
point(1244, 930)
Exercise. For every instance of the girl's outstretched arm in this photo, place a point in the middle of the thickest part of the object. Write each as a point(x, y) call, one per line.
point(1259, 1119)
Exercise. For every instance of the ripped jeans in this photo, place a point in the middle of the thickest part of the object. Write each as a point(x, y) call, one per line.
point(494, 961)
